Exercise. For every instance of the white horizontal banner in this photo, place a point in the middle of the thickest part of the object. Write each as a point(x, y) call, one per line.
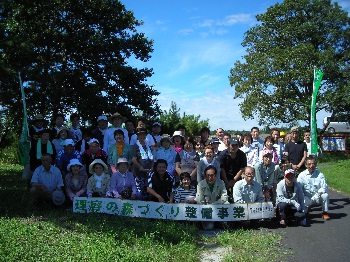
point(182, 211)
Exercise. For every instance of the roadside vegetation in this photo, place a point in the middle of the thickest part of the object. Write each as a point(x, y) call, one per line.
point(336, 168)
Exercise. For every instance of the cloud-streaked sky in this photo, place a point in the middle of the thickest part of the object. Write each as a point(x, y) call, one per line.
point(196, 43)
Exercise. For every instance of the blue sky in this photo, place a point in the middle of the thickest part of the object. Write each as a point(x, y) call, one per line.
point(196, 43)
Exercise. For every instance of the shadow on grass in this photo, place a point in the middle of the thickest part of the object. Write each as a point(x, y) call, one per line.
point(14, 195)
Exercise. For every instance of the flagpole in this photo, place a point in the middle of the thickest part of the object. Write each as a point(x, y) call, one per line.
point(315, 87)
point(24, 144)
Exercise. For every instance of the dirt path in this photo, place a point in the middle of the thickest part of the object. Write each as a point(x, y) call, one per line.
point(212, 252)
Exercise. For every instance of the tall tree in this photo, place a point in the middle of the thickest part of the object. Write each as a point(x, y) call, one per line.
point(276, 75)
point(73, 55)
point(172, 118)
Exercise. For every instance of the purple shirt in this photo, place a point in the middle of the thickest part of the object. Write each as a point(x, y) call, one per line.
point(120, 182)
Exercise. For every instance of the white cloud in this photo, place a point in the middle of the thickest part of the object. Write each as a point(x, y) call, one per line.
point(185, 31)
point(236, 19)
point(193, 55)
point(161, 22)
point(206, 23)
point(220, 108)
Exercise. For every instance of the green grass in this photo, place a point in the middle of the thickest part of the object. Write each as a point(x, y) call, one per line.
point(249, 245)
point(338, 175)
point(95, 238)
point(59, 235)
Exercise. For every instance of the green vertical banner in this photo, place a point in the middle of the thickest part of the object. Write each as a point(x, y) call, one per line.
point(24, 144)
point(316, 85)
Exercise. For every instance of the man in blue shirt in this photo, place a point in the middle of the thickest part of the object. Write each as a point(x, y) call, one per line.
point(47, 182)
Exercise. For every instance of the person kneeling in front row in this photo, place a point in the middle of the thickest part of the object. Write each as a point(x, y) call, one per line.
point(314, 186)
point(47, 183)
point(290, 199)
point(211, 191)
point(248, 190)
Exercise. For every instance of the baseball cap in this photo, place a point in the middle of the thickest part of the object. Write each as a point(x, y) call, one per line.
point(234, 141)
point(102, 118)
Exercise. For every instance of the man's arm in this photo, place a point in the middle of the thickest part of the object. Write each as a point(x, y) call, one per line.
point(237, 196)
point(302, 160)
point(238, 176)
point(154, 193)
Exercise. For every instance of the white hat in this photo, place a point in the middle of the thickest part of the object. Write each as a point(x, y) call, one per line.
point(68, 142)
point(58, 197)
point(73, 162)
point(97, 161)
point(102, 118)
point(178, 133)
point(93, 140)
point(122, 160)
point(289, 171)
point(156, 124)
point(165, 137)
point(63, 128)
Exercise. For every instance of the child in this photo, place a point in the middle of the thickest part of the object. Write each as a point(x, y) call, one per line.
point(185, 193)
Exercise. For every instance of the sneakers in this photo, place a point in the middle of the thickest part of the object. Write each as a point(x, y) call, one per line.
point(283, 223)
point(325, 216)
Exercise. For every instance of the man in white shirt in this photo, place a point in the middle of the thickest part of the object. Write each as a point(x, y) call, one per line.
point(314, 186)
point(220, 135)
point(248, 190)
point(257, 142)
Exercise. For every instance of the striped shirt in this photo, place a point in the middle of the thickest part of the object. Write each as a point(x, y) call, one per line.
point(182, 195)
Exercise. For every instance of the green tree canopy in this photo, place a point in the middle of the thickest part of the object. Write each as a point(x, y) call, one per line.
point(275, 77)
point(172, 118)
point(73, 55)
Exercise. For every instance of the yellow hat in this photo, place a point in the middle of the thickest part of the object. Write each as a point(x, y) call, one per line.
point(282, 133)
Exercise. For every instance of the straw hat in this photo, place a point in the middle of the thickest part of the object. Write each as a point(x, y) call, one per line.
point(110, 119)
point(97, 161)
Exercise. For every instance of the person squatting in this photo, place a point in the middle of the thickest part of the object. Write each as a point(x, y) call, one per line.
point(137, 163)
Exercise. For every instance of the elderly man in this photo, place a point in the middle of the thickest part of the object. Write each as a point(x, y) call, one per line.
point(211, 191)
point(314, 186)
point(248, 190)
point(290, 198)
point(47, 183)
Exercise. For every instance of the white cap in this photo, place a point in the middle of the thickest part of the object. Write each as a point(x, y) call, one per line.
point(102, 118)
point(68, 142)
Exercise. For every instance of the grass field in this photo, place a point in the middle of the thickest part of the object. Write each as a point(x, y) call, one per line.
point(337, 175)
point(60, 235)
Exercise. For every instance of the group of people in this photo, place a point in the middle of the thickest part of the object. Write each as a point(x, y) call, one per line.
point(124, 162)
